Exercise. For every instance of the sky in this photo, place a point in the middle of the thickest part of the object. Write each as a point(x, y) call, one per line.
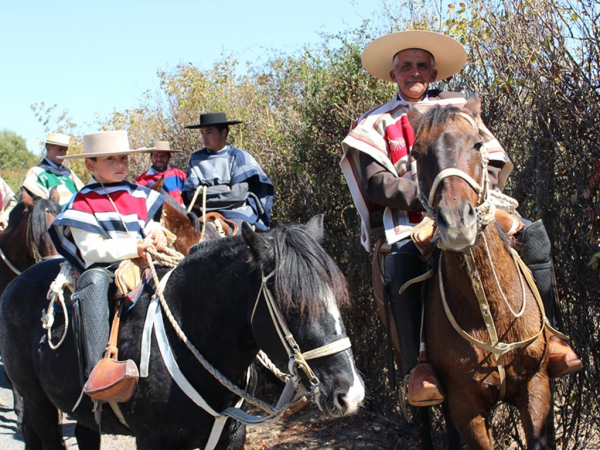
point(90, 58)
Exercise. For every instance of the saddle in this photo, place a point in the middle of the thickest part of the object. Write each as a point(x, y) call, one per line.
point(223, 226)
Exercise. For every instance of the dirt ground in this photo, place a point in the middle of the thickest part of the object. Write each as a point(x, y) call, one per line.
point(307, 429)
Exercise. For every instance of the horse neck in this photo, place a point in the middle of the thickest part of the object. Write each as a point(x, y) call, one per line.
point(459, 290)
point(213, 309)
point(15, 245)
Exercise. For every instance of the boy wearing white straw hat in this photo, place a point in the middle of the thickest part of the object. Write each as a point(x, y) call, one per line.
point(108, 221)
point(50, 172)
point(381, 176)
point(173, 178)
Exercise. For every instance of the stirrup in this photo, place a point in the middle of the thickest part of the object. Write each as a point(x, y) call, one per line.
point(424, 388)
point(562, 358)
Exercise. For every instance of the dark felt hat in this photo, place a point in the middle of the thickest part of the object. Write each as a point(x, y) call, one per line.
point(213, 119)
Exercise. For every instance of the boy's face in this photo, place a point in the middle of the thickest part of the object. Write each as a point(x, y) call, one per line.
point(109, 169)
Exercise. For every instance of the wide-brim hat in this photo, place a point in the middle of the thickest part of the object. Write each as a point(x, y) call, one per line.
point(163, 146)
point(449, 54)
point(106, 143)
point(213, 119)
point(57, 139)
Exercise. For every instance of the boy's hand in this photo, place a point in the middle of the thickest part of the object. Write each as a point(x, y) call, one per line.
point(158, 239)
point(142, 246)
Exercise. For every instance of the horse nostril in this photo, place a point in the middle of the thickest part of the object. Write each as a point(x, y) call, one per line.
point(440, 218)
point(469, 213)
point(341, 401)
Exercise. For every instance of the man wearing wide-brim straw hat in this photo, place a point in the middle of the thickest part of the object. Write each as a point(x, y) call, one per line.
point(382, 180)
point(109, 220)
point(173, 178)
point(50, 172)
point(236, 186)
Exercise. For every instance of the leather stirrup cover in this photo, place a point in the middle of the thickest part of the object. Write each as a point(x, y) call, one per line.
point(112, 381)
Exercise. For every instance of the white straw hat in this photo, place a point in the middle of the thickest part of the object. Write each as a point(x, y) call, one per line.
point(449, 54)
point(57, 139)
point(163, 146)
point(106, 143)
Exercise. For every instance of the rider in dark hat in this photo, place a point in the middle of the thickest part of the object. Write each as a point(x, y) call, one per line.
point(237, 187)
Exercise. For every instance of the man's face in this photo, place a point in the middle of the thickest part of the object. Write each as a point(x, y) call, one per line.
point(213, 139)
point(160, 160)
point(413, 71)
point(54, 151)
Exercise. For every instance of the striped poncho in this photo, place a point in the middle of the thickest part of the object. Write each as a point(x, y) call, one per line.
point(173, 184)
point(386, 135)
point(91, 210)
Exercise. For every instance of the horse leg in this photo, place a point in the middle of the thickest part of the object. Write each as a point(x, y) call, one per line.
point(87, 438)
point(471, 421)
point(18, 407)
point(535, 411)
point(41, 425)
point(425, 429)
point(452, 435)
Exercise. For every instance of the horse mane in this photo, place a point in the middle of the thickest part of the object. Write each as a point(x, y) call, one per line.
point(37, 228)
point(436, 117)
point(304, 271)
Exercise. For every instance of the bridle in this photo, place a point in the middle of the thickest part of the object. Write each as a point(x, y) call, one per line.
point(294, 395)
point(297, 358)
point(485, 208)
point(485, 214)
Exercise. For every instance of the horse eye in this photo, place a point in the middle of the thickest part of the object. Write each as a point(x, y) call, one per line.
point(478, 146)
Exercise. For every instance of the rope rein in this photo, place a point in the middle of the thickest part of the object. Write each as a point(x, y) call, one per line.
point(171, 259)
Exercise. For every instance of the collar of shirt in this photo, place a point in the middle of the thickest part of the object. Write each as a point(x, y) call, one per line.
point(399, 98)
point(51, 164)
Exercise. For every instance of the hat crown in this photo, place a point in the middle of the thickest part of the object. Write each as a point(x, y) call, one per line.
point(105, 143)
point(58, 139)
point(213, 119)
point(161, 146)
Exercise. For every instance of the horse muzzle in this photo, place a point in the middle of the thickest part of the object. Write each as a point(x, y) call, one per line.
point(457, 225)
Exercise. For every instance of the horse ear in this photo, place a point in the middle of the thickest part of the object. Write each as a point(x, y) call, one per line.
point(473, 106)
point(54, 195)
point(413, 115)
point(26, 197)
point(259, 246)
point(314, 227)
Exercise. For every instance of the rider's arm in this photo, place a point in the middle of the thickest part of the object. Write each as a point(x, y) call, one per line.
point(385, 189)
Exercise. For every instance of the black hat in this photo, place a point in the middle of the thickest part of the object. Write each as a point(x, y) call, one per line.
point(213, 119)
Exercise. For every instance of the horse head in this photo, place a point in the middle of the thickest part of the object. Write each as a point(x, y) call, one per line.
point(451, 163)
point(25, 240)
point(296, 318)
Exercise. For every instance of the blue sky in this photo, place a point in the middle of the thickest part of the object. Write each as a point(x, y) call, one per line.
point(92, 57)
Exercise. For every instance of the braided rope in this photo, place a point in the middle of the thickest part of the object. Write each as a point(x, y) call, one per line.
point(214, 372)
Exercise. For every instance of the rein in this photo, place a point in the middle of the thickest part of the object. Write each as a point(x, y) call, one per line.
point(297, 359)
point(8, 263)
point(291, 398)
point(486, 214)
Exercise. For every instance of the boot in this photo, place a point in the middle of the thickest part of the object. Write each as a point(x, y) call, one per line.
point(92, 298)
point(536, 254)
point(401, 265)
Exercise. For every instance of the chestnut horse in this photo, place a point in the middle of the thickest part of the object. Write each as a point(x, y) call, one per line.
point(485, 327)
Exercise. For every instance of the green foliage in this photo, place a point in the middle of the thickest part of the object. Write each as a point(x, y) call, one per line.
point(15, 159)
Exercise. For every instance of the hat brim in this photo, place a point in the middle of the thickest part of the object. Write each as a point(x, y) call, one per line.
point(156, 150)
point(203, 125)
point(449, 54)
point(95, 155)
point(61, 144)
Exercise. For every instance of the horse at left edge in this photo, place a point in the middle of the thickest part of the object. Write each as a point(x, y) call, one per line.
point(279, 292)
